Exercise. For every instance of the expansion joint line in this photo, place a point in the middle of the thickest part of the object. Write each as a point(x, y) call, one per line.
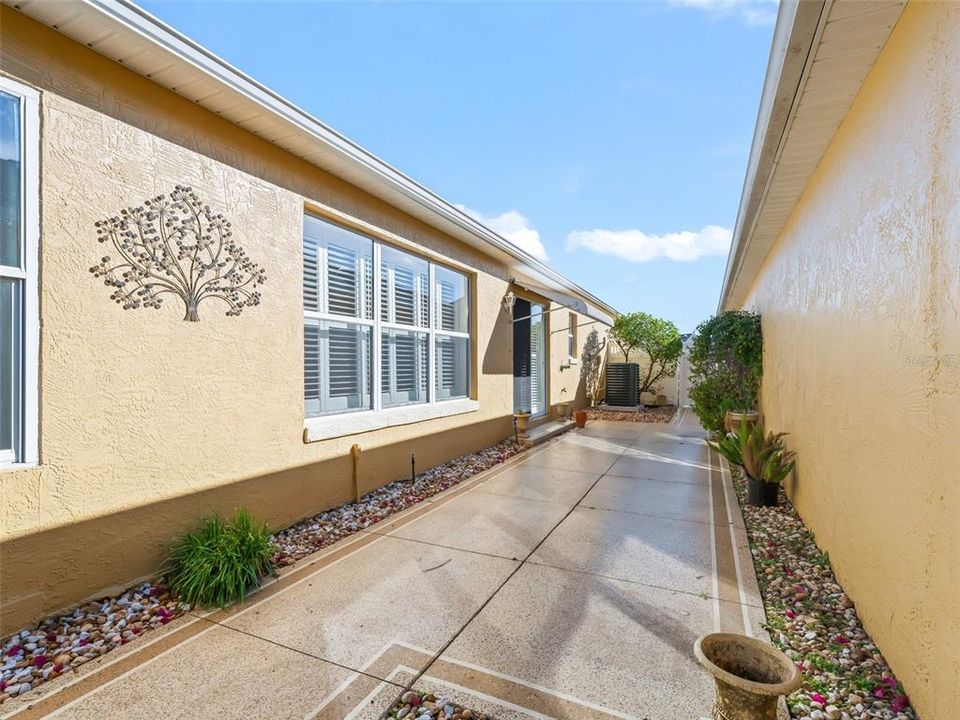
point(386, 713)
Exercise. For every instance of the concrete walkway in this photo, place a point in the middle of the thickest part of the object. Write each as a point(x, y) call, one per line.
point(570, 582)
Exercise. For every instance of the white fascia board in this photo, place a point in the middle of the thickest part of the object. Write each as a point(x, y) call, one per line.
point(793, 37)
point(129, 16)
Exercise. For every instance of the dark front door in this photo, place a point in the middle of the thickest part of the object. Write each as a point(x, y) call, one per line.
point(529, 358)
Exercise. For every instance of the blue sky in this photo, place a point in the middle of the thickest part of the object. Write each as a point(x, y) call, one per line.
point(612, 138)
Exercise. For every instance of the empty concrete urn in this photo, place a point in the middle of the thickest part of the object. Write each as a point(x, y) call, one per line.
point(521, 421)
point(749, 674)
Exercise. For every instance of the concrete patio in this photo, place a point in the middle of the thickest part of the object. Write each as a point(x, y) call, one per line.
point(570, 582)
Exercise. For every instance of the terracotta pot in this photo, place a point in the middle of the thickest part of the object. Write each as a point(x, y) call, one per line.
point(749, 675)
point(581, 417)
point(521, 421)
point(764, 494)
point(731, 420)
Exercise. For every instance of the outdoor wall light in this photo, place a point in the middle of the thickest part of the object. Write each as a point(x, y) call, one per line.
point(508, 301)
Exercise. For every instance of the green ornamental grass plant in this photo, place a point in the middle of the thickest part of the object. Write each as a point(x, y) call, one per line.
point(217, 564)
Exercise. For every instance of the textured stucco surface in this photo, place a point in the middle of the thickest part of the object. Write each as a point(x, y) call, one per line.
point(148, 422)
point(860, 301)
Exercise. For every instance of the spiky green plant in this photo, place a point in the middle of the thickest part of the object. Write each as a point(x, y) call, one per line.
point(730, 445)
point(215, 565)
point(765, 457)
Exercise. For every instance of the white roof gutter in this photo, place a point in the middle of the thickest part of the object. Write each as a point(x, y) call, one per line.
point(113, 27)
point(821, 54)
point(793, 37)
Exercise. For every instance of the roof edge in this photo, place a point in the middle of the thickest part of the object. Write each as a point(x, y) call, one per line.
point(137, 20)
point(798, 24)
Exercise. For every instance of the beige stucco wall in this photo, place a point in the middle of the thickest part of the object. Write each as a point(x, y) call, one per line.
point(860, 302)
point(148, 422)
point(564, 376)
point(666, 386)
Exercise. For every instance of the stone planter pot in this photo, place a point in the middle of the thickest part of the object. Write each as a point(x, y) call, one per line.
point(521, 421)
point(581, 417)
point(563, 410)
point(764, 494)
point(749, 675)
point(731, 420)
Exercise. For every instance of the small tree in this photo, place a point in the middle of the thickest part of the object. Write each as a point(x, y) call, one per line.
point(626, 332)
point(591, 363)
point(659, 339)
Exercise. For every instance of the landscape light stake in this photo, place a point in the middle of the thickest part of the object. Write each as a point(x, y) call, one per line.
point(176, 245)
point(355, 454)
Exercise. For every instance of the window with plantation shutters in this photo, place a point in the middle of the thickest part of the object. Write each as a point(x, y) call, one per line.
point(378, 317)
point(338, 318)
point(452, 356)
point(538, 380)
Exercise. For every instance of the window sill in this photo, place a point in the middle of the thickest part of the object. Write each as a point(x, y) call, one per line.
point(12, 467)
point(334, 426)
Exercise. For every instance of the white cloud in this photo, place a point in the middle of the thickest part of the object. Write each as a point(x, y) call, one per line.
point(515, 227)
point(752, 12)
point(638, 246)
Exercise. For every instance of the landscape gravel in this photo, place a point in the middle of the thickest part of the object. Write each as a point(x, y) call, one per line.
point(812, 620)
point(62, 643)
point(414, 705)
point(319, 531)
point(663, 414)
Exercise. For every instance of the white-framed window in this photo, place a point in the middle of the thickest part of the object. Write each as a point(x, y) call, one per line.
point(19, 234)
point(379, 318)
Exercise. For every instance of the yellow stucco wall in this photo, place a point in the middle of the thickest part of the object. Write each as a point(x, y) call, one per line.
point(148, 422)
point(860, 301)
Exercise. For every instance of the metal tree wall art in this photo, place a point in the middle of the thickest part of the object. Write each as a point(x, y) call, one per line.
point(176, 245)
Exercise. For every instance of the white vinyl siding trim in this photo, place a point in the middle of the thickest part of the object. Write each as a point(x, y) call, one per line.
point(384, 330)
point(20, 349)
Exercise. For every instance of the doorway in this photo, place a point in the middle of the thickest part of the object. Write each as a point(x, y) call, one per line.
point(529, 358)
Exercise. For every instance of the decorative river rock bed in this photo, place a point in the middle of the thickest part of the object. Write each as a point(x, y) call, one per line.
point(662, 414)
point(315, 533)
point(811, 619)
point(63, 643)
point(414, 705)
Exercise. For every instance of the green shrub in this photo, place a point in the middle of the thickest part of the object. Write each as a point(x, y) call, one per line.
point(711, 398)
point(217, 564)
point(726, 363)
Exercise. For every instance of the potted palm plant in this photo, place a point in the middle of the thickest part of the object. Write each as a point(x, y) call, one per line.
point(764, 458)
